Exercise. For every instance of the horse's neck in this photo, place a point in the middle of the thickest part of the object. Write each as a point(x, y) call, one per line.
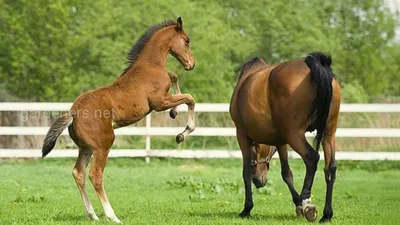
point(149, 63)
point(155, 52)
point(153, 57)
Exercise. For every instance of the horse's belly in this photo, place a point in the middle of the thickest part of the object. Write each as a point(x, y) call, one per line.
point(127, 117)
point(262, 130)
point(257, 120)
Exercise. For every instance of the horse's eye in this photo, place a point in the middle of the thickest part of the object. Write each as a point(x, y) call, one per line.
point(187, 41)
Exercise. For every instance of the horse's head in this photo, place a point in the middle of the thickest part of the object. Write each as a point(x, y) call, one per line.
point(261, 156)
point(179, 47)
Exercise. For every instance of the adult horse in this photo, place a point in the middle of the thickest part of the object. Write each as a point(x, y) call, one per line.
point(141, 88)
point(275, 105)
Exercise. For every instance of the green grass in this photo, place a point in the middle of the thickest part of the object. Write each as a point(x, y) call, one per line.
point(192, 192)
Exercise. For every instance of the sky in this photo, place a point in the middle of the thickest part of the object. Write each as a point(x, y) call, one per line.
point(395, 6)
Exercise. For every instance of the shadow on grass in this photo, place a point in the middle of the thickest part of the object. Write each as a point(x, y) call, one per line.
point(235, 215)
point(71, 218)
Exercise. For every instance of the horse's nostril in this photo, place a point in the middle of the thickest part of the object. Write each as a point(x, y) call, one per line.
point(258, 182)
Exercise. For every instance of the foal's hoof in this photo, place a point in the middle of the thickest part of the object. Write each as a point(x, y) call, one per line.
point(173, 113)
point(299, 211)
point(310, 212)
point(180, 138)
point(114, 219)
point(92, 216)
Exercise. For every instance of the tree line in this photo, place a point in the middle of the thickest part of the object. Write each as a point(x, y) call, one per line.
point(53, 50)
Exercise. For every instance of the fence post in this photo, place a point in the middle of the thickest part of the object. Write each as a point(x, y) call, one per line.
point(21, 139)
point(148, 125)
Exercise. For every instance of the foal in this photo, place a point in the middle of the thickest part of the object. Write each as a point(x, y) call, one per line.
point(275, 105)
point(141, 88)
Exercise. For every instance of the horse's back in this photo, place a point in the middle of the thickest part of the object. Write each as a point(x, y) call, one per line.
point(288, 76)
point(276, 99)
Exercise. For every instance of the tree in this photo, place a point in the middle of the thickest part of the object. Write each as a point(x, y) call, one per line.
point(53, 50)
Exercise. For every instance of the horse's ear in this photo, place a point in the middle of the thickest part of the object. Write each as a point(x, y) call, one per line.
point(179, 24)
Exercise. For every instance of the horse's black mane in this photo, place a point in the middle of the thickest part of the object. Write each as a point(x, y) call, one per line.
point(141, 42)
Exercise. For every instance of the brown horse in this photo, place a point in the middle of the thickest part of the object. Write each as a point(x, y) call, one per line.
point(275, 105)
point(141, 88)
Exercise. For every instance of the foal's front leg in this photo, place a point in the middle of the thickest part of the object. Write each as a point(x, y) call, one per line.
point(175, 85)
point(170, 101)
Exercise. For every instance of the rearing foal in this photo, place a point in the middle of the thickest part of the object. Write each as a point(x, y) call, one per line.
point(141, 88)
point(275, 105)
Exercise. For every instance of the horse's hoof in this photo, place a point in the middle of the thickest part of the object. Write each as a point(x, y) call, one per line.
point(299, 211)
point(173, 113)
point(244, 214)
point(326, 219)
point(310, 212)
point(180, 138)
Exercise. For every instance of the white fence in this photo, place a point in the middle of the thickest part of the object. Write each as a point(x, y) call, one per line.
point(149, 131)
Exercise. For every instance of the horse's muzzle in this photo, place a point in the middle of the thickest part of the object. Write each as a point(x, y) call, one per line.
point(190, 67)
point(259, 183)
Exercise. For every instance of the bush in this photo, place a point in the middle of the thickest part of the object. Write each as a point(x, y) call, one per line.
point(354, 92)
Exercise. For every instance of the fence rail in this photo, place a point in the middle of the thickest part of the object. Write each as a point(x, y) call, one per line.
point(201, 131)
point(188, 154)
point(149, 131)
point(200, 107)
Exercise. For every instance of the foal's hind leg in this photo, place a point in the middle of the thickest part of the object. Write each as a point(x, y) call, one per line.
point(79, 173)
point(287, 176)
point(96, 177)
point(310, 158)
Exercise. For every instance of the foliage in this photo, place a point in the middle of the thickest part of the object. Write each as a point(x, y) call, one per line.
point(53, 50)
point(354, 92)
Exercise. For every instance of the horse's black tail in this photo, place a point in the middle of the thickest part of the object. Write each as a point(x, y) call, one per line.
point(54, 132)
point(322, 76)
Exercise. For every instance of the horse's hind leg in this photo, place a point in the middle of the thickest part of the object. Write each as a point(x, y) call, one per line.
point(79, 173)
point(310, 158)
point(328, 143)
point(287, 176)
point(96, 177)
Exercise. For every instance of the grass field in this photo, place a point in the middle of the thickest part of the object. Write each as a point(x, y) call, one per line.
point(192, 192)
